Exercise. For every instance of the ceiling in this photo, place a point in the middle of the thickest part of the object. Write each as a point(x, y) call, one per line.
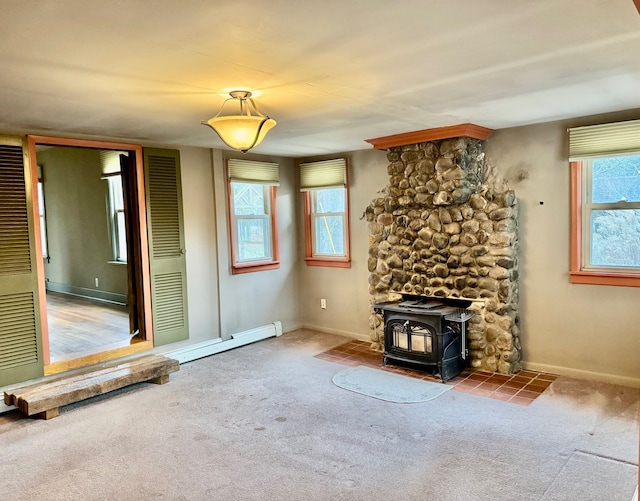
point(331, 72)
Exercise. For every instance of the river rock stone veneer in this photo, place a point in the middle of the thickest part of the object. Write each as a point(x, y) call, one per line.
point(447, 225)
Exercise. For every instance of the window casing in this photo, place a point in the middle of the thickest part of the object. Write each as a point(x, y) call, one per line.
point(326, 213)
point(605, 206)
point(252, 217)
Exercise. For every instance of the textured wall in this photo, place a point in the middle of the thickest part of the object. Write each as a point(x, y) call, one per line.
point(447, 226)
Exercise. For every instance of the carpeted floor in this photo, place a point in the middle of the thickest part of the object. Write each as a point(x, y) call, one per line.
point(265, 422)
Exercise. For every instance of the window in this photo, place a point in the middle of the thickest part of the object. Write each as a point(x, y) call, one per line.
point(605, 206)
point(326, 210)
point(252, 215)
point(117, 218)
point(42, 214)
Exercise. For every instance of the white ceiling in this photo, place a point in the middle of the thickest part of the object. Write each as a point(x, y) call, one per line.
point(331, 72)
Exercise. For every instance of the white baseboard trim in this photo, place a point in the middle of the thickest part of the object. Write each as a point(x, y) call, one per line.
point(582, 374)
point(328, 330)
point(293, 327)
point(207, 348)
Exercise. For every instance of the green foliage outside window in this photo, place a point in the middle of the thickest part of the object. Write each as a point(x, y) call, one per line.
point(614, 222)
point(253, 223)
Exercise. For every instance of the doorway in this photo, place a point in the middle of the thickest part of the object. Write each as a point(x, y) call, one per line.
point(91, 248)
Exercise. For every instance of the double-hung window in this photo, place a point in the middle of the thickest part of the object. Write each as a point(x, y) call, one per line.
point(42, 214)
point(326, 211)
point(117, 223)
point(253, 215)
point(605, 204)
point(110, 161)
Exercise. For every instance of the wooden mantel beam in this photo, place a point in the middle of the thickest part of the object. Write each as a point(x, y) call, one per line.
point(420, 136)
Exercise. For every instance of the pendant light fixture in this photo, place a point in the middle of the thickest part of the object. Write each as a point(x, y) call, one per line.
point(244, 130)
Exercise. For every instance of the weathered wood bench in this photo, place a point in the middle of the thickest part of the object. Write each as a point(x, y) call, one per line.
point(43, 399)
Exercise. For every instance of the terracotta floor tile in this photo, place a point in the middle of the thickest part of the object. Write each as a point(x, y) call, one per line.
point(541, 383)
point(480, 392)
point(521, 388)
point(521, 400)
point(513, 384)
point(488, 385)
point(528, 394)
point(463, 389)
point(500, 396)
point(466, 383)
point(535, 389)
point(505, 390)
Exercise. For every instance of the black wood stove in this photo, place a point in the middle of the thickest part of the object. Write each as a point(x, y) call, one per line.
point(426, 333)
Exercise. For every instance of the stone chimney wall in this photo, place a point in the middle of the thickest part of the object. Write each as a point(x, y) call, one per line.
point(447, 225)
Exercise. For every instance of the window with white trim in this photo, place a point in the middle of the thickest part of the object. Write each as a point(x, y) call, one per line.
point(42, 214)
point(605, 172)
point(252, 215)
point(117, 225)
point(326, 210)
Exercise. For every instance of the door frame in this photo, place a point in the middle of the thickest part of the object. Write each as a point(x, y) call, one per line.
point(139, 343)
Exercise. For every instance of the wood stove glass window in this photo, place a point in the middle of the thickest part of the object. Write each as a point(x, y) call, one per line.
point(412, 337)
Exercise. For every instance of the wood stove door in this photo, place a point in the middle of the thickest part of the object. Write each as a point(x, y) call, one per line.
point(412, 339)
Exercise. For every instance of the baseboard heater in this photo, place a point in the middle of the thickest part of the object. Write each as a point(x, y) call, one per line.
point(206, 348)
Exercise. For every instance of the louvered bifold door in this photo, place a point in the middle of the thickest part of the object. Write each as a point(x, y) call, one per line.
point(20, 334)
point(166, 246)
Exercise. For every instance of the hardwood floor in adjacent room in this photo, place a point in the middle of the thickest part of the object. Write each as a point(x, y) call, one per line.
point(78, 326)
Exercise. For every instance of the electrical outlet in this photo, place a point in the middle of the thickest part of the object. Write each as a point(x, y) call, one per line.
point(323, 304)
point(97, 282)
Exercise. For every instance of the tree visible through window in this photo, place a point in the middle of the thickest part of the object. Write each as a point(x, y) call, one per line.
point(328, 221)
point(326, 211)
point(605, 204)
point(612, 212)
point(251, 215)
point(253, 219)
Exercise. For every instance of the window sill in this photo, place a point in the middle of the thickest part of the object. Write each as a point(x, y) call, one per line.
point(605, 278)
point(238, 269)
point(328, 262)
point(117, 262)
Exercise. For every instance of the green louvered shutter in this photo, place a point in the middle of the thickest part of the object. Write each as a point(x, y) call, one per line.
point(166, 246)
point(20, 334)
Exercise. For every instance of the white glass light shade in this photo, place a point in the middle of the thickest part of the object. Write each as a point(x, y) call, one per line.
point(241, 132)
point(245, 130)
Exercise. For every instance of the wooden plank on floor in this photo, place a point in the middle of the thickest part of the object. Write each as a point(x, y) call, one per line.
point(43, 398)
point(65, 379)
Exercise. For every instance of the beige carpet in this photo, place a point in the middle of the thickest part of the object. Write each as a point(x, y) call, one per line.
point(265, 422)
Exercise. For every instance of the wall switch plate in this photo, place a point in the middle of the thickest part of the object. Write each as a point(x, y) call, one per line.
point(323, 304)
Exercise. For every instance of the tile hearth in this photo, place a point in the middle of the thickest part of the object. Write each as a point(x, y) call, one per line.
point(521, 388)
